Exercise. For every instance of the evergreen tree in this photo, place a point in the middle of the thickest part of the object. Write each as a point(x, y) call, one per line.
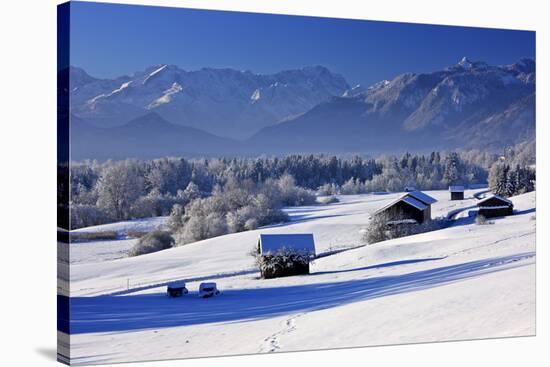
point(451, 172)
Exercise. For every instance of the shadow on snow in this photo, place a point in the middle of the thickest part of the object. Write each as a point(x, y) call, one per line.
point(379, 266)
point(147, 311)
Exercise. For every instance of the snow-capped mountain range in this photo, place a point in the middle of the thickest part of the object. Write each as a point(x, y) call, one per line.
point(225, 102)
point(468, 105)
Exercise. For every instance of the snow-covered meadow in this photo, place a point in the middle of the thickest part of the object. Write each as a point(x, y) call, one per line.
point(465, 281)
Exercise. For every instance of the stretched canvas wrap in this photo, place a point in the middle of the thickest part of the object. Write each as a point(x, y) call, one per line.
point(236, 183)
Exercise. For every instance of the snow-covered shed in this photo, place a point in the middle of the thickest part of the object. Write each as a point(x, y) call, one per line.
point(285, 254)
point(414, 205)
point(495, 206)
point(457, 192)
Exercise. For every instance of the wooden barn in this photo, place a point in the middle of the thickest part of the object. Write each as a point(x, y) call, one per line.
point(414, 205)
point(495, 206)
point(297, 249)
point(457, 192)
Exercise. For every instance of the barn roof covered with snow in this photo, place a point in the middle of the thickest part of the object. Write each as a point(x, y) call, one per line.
point(416, 203)
point(419, 195)
point(456, 188)
point(302, 242)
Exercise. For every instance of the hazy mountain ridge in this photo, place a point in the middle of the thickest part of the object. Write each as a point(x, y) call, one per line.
point(148, 136)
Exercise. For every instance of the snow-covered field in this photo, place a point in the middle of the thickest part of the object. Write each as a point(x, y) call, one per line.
point(465, 281)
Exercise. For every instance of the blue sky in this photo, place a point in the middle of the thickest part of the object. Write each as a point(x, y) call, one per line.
point(111, 40)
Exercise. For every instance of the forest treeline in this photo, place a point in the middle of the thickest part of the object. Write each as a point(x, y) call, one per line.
point(234, 194)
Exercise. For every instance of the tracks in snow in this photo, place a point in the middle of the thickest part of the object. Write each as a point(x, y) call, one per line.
point(272, 343)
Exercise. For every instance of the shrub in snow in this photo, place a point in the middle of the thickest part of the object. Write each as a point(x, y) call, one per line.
point(379, 230)
point(283, 262)
point(481, 220)
point(327, 190)
point(251, 224)
point(352, 187)
point(292, 195)
point(199, 228)
point(328, 200)
point(83, 215)
point(152, 242)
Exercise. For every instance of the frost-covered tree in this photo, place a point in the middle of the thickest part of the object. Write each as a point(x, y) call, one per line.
point(377, 230)
point(501, 180)
point(451, 173)
point(119, 186)
point(191, 191)
point(176, 218)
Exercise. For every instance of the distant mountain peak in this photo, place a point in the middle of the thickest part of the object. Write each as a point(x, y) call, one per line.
point(465, 62)
point(149, 119)
point(468, 64)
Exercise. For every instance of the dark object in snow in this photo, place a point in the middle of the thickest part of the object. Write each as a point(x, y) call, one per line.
point(152, 242)
point(176, 289)
point(280, 255)
point(410, 189)
point(495, 206)
point(457, 192)
point(413, 205)
point(207, 290)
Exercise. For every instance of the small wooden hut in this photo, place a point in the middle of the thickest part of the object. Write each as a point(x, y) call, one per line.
point(495, 206)
point(414, 205)
point(457, 192)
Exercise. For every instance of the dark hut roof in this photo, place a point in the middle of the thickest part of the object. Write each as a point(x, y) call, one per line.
point(302, 242)
point(493, 197)
point(416, 199)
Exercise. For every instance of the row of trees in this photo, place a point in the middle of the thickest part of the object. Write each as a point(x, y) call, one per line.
point(120, 190)
point(425, 172)
point(509, 181)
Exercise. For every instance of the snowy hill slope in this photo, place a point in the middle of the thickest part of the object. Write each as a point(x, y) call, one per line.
point(465, 281)
point(334, 227)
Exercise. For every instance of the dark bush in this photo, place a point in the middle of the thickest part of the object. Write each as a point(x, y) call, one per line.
point(152, 242)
